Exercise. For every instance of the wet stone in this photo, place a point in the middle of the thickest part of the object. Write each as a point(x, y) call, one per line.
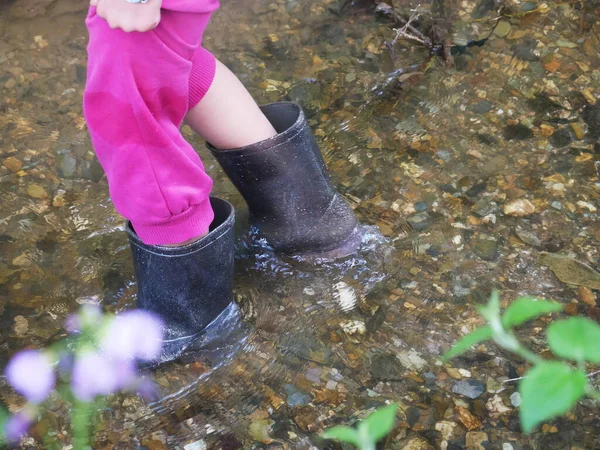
point(306, 417)
point(476, 440)
point(579, 130)
point(591, 117)
point(296, 397)
point(496, 164)
point(529, 6)
point(525, 50)
point(12, 164)
point(528, 237)
point(520, 207)
point(484, 206)
point(571, 271)
point(515, 399)
point(385, 367)
point(412, 415)
point(198, 445)
point(260, 430)
point(415, 444)
point(517, 132)
point(502, 29)
point(419, 222)
point(156, 445)
point(561, 138)
point(67, 165)
point(486, 249)
point(469, 388)
point(36, 191)
point(412, 360)
point(483, 107)
point(92, 170)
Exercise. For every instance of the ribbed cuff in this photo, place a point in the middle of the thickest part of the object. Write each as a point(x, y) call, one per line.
point(190, 224)
point(202, 75)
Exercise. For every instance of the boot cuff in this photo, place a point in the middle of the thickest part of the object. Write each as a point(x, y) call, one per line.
point(195, 217)
point(288, 120)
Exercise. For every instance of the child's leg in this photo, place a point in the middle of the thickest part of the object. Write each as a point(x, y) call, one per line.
point(228, 106)
point(137, 95)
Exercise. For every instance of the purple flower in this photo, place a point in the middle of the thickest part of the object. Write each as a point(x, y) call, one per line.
point(30, 372)
point(95, 374)
point(16, 427)
point(147, 389)
point(134, 334)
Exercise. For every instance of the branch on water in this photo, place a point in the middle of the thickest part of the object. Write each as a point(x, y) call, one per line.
point(407, 30)
point(589, 375)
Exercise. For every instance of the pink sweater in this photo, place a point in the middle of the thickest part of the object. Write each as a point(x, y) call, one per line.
point(138, 91)
point(193, 6)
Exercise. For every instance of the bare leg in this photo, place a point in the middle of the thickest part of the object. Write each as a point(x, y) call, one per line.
point(189, 241)
point(227, 116)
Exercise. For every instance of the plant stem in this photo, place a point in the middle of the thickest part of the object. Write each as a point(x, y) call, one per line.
point(81, 423)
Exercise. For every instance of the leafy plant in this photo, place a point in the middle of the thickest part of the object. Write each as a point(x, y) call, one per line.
point(369, 431)
point(549, 388)
point(98, 358)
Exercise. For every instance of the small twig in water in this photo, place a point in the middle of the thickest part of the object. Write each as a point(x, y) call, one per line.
point(589, 375)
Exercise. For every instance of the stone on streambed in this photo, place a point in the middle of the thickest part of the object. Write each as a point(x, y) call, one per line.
point(518, 132)
point(415, 444)
point(486, 247)
point(469, 388)
point(67, 165)
point(519, 208)
point(296, 397)
point(385, 367)
point(571, 271)
point(477, 440)
point(528, 237)
point(12, 164)
point(36, 191)
point(502, 29)
point(198, 445)
point(591, 117)
point(561, 138)
point(412, 360)
point(526, 50)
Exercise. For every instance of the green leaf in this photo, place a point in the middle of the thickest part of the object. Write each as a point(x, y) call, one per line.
point(378, 424)
point(548, 390)
point(527, 308)
point(577, 338)
point(475, 337)
point(492, 309)
point(343, 434)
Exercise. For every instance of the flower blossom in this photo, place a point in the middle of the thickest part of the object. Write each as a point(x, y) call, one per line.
point(16, 427)
point(134, 334)
point(97, 374)
point(31, 373)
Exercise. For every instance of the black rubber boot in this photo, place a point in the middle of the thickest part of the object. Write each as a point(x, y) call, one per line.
point(189, 287)
point(285, 183)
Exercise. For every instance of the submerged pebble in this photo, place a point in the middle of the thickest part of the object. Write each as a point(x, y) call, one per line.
point(469, 388)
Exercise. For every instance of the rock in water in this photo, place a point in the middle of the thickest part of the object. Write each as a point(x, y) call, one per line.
point(469, 388)
point(591, 116)
point(571, 271)
point(476, 440)
point(519, 208)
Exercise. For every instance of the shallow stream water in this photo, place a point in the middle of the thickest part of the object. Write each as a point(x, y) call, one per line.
point(470, 171)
